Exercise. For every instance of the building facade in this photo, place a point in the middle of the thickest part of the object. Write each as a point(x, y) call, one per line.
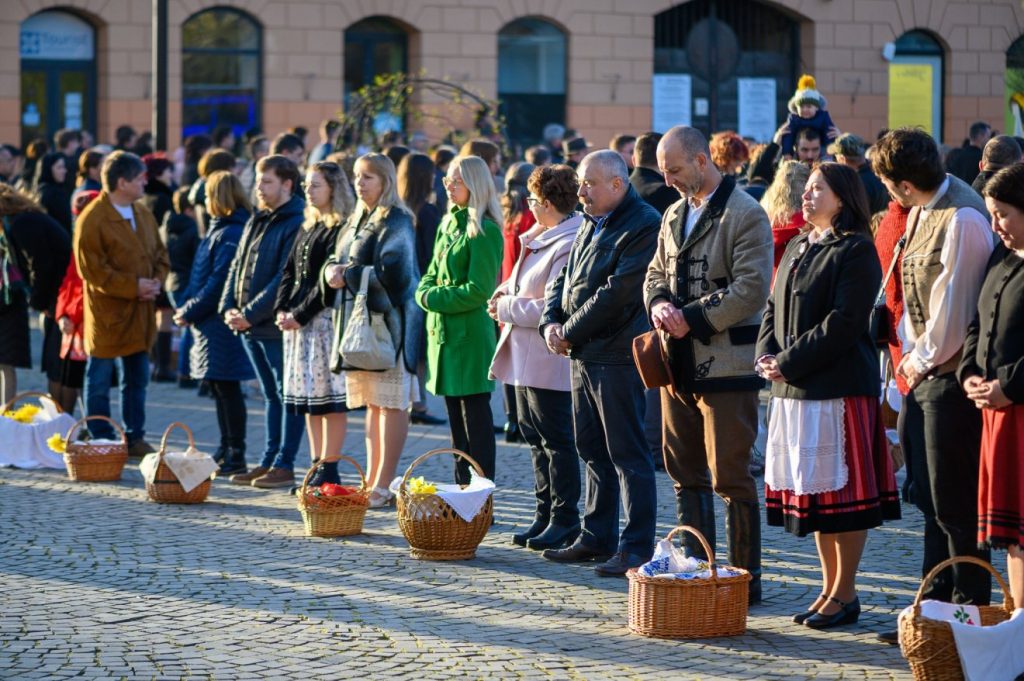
point(599, 66)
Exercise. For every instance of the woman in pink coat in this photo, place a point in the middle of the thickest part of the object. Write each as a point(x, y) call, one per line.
point(522, 360)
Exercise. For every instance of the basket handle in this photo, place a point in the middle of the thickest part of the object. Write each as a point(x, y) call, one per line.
point(80, 422)
point(31, 393)
point(434, 452)
point(321, 462)
point(709, 550)
point(163, 440)
point(933, 573)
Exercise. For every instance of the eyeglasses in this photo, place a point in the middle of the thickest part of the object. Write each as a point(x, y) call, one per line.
point(533, 201)
point(452, 182)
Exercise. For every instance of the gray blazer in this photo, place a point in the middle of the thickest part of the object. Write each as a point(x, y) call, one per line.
point(387, 243)
point(719, 276)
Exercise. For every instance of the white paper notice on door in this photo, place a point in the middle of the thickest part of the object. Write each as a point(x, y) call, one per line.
point(756, 108)
point(73, 110)
point(670, 101)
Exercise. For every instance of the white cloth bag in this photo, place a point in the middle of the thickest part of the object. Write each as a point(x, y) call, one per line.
point(366, 343)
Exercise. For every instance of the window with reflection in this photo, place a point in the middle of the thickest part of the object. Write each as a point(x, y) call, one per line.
point(221, 72)
point(531, 77)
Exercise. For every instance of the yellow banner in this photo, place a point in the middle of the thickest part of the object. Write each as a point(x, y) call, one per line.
point(910, 96)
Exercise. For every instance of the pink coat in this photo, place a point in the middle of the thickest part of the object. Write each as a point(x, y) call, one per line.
point(522, 358)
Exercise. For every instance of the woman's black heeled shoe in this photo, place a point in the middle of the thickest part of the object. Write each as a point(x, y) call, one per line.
point(848, 613)
point(802, 617)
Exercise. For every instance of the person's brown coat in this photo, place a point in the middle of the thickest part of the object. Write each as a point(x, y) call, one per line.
point(111, 258)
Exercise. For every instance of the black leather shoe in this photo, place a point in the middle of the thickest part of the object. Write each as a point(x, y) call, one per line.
point(802, 617)
point(554, 537)
point(530, 532)
point(577, 553)
point(892, 637)
point(512, 434)
point(848, 613)
point(617, 565)
point(425, 418)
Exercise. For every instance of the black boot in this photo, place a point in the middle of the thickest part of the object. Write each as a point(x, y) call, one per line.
point(698, 510)
point(234, 462)
point(538, 526)
point(554, 537)
point(743, 529)
point(329, 473)
point(162, 372)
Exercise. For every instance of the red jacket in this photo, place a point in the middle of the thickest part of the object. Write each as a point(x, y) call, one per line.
point(890, 229)
point(513, 246)
point(70, 304)
point(782, 234)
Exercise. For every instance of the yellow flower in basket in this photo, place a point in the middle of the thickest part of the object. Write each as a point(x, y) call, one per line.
point(23, 414)
point(421, 486)
point(56, 443)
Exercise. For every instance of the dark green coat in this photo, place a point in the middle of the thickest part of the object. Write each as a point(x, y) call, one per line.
point(454, 291)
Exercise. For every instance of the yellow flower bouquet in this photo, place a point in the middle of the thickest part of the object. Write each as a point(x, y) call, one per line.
point(421, 486)
point(56, 443)
point(26, 413)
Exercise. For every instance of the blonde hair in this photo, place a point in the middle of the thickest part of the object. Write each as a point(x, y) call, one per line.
point(342, 200)
point(14, 201)
point(224, 194)
point(782, 198)
point(384, 168)
point(483, 197)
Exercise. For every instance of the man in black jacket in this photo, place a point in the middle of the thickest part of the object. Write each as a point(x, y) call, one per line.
point(592, 312)
point(646, 178)
point(248, 308)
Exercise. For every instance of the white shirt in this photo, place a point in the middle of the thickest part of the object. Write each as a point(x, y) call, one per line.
point(127, 212)
point(697, 207)
point(954, 297)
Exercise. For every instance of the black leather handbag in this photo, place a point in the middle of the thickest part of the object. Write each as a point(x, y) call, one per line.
point(879, 323)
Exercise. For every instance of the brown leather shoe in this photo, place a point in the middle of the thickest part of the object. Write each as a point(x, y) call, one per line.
point(247, 478)
point(274, 478)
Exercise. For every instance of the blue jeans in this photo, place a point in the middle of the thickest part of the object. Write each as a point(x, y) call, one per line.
point(267, 357)
point(134, 373)
point(183, 350)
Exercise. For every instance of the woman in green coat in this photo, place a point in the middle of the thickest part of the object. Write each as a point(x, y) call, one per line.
point(454, 291)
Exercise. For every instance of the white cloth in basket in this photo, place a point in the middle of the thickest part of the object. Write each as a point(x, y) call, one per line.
point(466, 502)
point(23, 445)
point(191, 467)
point(806, 446)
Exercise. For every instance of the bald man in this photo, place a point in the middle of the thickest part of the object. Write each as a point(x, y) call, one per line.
point(592, 312)
point(706, 288)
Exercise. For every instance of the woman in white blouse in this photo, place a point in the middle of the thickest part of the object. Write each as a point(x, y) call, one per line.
point(827, 469)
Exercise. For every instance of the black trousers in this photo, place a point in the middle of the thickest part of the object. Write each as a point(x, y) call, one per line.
point(545, 419)
point(231, 413)
point(608, 420)
point(472, 426)
point(940, 431)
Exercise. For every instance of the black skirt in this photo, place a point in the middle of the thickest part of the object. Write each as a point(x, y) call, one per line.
point(14, 333)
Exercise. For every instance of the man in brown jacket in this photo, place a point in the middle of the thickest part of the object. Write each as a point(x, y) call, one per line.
point(122, 262)
point(706, 288)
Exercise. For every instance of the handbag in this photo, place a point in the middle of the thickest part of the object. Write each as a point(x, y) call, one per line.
point(879, 323)
point(366, 343)
point(651, 357)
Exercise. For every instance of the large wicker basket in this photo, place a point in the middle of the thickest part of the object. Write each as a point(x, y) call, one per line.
point(91, 462)
point(339, 516)
point(690, 608)
point(433, 529)
point(165, 488)
point(928, 644)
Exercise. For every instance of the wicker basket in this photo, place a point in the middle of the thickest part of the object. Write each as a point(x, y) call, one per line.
point(690, 608)
point(90, 462)
point(339, 516)
point(433, 529)
point(27, 394)
point(165, 488)
point(928, 644)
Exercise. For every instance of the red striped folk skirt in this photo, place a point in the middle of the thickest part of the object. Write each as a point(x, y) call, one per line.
point(869, 497)
point(1001, 480)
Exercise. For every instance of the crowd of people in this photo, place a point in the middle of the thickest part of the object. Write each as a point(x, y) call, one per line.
point(352, 278)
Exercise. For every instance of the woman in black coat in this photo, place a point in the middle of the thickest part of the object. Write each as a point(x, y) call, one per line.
point(34, 254)
point(992, 374)
point(51, 171)
point(828, 469)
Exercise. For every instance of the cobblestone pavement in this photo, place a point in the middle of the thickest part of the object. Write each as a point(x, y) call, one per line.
point(97, 582)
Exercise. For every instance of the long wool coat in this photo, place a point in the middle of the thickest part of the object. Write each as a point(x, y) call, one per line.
point(454, 291)
point(111, 258)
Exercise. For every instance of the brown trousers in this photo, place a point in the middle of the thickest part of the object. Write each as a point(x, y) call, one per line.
point(708, 438)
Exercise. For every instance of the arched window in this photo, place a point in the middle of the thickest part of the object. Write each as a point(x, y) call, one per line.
point(374, 47)
point(58, 74)
point(531, 77)
point(220, 71)
point(915, 83)
point(1015, 88)
point(722, 65)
